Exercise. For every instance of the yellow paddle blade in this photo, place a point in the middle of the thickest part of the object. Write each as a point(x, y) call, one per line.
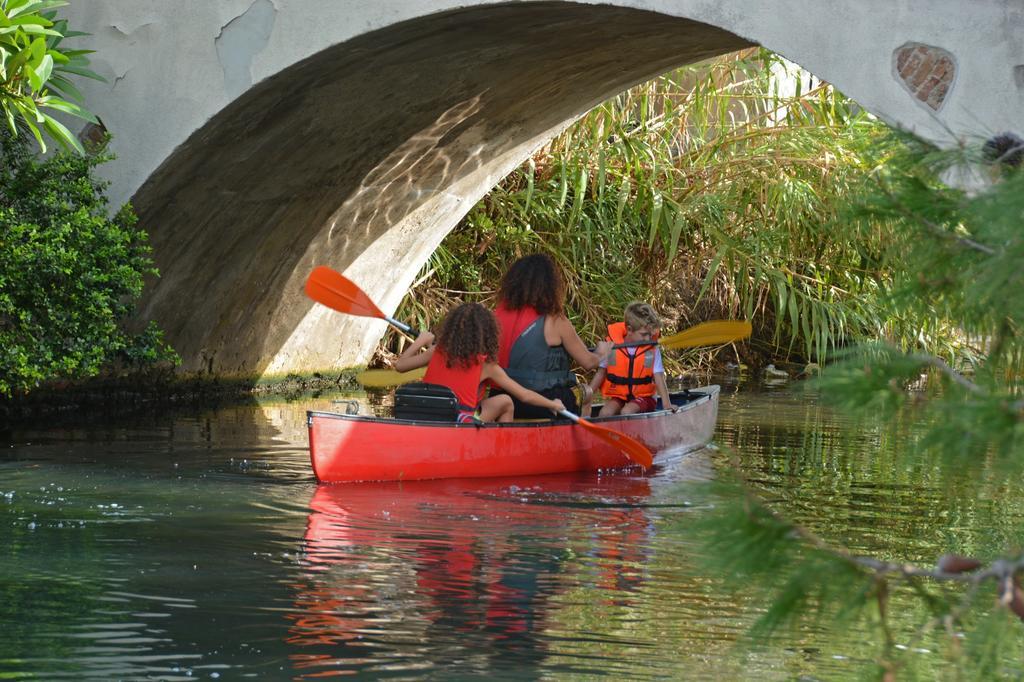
point(711, 333)
point(382, 378)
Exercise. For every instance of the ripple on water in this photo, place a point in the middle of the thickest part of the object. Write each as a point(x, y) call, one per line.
point(202, 546)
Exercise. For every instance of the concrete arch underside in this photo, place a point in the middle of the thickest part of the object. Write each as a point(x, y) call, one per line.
point(365, 152)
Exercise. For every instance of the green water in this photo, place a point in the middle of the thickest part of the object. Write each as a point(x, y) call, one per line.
point(200, 546)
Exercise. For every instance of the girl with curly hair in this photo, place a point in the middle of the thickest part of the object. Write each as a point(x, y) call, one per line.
point(537, 339)
point(464, 356)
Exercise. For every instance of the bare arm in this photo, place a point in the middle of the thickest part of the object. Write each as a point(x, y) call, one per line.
point(503, 381)
point(411, 357)
point(575, 347)
point(666, 400)
point(599, 377)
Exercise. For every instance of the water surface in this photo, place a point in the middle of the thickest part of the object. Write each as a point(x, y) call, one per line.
point(199, 546)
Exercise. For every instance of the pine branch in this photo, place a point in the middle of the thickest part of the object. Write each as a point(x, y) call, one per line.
point(950, 568)
point(960, 379)
point(935, 229)
point(766, 526)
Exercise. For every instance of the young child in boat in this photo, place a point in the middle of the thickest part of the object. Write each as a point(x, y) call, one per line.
point(465, 355)
point(629, 378)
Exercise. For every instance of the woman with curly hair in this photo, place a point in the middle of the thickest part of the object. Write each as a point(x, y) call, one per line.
point(537, 339)
point(464, 356)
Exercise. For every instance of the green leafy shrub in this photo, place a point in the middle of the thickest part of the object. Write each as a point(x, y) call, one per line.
point(69, 274)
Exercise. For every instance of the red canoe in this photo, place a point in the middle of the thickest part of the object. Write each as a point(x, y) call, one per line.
point(347, 448)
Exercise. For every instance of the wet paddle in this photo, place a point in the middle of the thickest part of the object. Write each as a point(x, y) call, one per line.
point(383, 378)
point(633, 448)
point(336, 291)
point(710, 333)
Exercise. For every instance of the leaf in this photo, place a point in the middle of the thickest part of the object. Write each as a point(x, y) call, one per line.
point(19, 60)
point(531, 173)
point(81, 71)
point(16, 7)
point(64, 86)
point(579, 196)
point(794, 314)
point(712, 271)
point(9, 114)
point(31, 20)
point(678, 223)
point(624, 193)
point(37, 52)
point(35, 82)
point(44, 69)
point(35, 132)
point(656, 206)
point(564, 185)
point(52, 102)
point(61, 134)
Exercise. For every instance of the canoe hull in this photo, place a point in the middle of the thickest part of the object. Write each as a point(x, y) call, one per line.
point(347, 448)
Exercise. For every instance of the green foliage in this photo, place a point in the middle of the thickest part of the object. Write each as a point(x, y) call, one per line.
point(70, 273)
point(707, 193)
point(854, 382)
point(806, 583)
point(956, 261)
point(955, 257)
point(992, 640)
point(753, 548)
point(34, 71)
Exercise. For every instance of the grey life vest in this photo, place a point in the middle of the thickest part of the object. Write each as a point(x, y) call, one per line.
point(535, 364)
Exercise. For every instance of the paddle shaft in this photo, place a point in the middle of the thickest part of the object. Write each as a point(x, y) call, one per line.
point(402, 326)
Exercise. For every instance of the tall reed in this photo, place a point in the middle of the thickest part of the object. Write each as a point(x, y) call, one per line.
point(712, 191)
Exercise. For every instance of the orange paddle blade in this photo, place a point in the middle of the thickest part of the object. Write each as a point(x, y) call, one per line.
point(633, 448)
point(711, 333)
point(334, 290)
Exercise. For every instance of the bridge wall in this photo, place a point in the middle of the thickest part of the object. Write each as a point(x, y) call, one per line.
point(258, 138)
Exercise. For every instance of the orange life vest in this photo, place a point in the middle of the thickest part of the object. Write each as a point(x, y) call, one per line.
point(628, 376)
point(464, 381)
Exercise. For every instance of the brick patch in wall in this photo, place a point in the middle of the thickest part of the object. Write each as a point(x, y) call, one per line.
point(926, 71)
point(94, 136)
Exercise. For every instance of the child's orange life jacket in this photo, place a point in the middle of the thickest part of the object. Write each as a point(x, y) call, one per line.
point(464, 381)
point(629, 376)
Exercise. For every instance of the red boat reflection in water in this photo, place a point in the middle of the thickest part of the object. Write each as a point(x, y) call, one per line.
point(428, 575)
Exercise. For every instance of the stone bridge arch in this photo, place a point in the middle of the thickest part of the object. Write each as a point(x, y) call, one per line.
point(258, 138)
